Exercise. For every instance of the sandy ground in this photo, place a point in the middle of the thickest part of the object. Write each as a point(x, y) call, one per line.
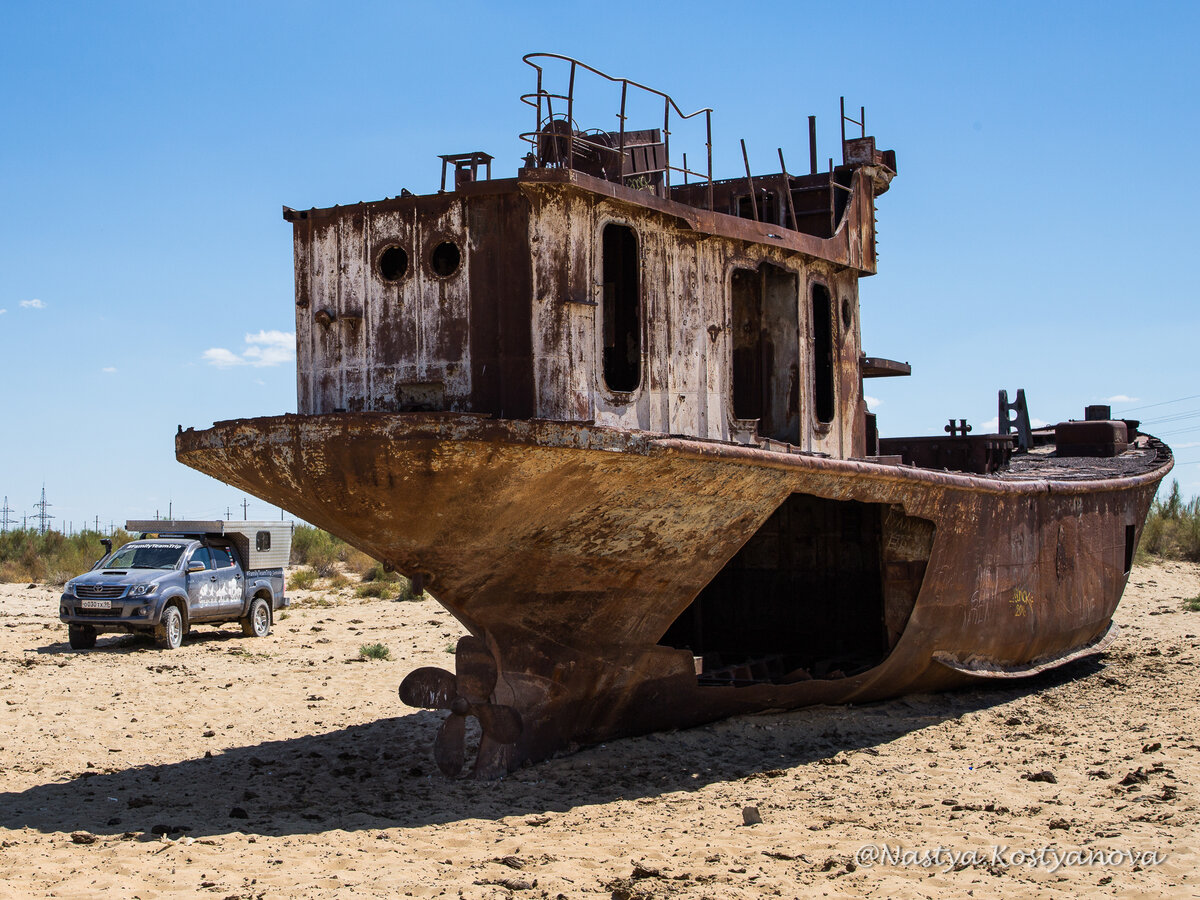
point(286, 767)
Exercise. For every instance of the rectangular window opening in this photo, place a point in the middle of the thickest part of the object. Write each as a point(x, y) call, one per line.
point(822, 345)
point(746, 290)
point(621, 309)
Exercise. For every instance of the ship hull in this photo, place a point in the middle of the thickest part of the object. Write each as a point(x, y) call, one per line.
point(571, 551)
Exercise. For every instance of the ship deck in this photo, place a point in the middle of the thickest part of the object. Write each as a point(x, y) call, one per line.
point(1042, 463)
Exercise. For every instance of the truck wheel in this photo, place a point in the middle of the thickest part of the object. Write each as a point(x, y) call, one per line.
point(257, 622)
point(168, 634)
point(81, 637)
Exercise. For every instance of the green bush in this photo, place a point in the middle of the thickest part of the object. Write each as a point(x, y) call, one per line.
point(314, 603)
point(52, 557)
point(323, 551)
point(316, 548)
point(397, 587)
point(407, 592)
point(1172, 528)
point(376, 573)
point(354, 560)
point(302, 579)
point(374, 651)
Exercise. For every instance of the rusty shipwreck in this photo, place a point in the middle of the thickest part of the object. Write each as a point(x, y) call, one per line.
point(610, 413)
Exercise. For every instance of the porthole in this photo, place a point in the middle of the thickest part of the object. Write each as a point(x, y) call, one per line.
point(445, 259)
point(847, 314)
point(393, 263)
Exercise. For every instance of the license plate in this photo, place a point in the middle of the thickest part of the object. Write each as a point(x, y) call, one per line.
point(96, 604)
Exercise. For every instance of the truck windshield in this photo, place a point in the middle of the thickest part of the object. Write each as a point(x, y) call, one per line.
point(146, 556)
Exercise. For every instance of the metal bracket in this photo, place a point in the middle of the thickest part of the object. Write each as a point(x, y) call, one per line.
point(1019, 421)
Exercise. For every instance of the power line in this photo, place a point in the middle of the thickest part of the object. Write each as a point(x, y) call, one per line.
point(1178, 417)
point(1187, 430)
point(1164, 403)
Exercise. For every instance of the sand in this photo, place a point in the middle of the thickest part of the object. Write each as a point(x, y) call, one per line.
point(281, 767)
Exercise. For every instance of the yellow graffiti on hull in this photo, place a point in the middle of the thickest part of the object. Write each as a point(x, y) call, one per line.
point(1022, 601)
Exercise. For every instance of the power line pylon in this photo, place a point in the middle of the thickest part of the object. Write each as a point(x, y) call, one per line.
point(43, 517)
point(5, 519)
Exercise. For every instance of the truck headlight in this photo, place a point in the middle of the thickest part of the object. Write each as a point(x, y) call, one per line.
point(140, 590)
point(69, 588)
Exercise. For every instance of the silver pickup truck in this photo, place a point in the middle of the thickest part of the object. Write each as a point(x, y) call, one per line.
point(180, 574)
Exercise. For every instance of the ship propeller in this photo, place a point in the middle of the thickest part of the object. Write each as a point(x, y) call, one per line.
point(465, 694)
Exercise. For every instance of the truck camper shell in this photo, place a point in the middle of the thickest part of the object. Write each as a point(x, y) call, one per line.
point(261, 544)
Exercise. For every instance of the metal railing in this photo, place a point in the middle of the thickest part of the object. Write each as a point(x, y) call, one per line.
point(861, 121)
point(558, 131)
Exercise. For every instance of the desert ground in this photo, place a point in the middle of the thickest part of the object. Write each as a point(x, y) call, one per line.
point(286, 767)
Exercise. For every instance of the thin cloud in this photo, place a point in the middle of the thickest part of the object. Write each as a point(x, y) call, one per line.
point(3, 311)
point(109, 369)
point(873, 403)
point(33, 304)
point(1121, 398)
point(265, 348)
point(222, 358)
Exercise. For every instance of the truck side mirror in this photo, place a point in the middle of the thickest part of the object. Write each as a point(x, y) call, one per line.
point(195, 567)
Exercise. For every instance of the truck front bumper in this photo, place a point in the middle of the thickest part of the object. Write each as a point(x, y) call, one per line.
point(127, 611)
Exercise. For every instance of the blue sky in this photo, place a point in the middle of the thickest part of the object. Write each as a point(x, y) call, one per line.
point(1040, 234)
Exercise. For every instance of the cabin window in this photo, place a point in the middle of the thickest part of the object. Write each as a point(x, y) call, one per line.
point(621, 309)
point(766, 350)
point(262, 541)
point(747, 358)
point(445, 259)
point(822, 346)
point(393, 263)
